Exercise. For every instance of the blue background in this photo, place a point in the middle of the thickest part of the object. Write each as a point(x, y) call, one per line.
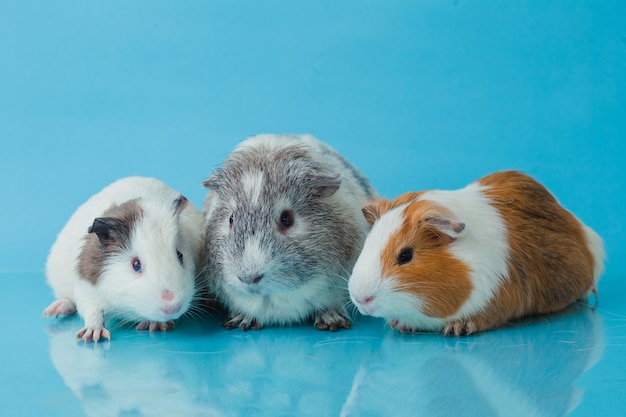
point(418, 94)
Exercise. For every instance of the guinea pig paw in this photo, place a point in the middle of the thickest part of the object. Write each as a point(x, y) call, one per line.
point(241, 321)
point(91, 334)
point(331, 320)
point(154, 326)
point(459, 328)
point(59, 307)
point(395, 325)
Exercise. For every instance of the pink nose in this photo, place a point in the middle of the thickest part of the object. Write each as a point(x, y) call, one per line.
point(366, 300)
point(169, 308)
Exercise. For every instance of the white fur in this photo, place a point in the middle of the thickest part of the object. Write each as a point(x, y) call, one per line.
point(483, 244)
point(388, 299)
point(253, 184)
point(119, 291)
point(253, 263)
point(288, 307)
point(366, 280)
point(155, 241)
point(596, 246)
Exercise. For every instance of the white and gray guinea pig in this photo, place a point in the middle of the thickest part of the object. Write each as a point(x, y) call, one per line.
point(470, 260)
point(283, 230)
point(129, 252)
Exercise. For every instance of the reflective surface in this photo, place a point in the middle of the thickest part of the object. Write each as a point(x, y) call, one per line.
point(420, 94)
point(572, 363)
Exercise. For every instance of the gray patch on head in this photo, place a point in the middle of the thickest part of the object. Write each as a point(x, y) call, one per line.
point(95, 252)
point(227, 179)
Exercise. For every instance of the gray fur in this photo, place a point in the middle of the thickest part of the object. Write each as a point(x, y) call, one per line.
point(325, 193)
point(94, 254)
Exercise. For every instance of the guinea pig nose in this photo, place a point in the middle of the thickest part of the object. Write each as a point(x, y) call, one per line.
point(167, 295)
point(365, 300)
point(251, 279)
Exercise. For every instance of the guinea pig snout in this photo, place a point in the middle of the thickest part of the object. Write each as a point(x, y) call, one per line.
point(170, 305)
point(365, 304)
point(250, 279)
point(364, 300)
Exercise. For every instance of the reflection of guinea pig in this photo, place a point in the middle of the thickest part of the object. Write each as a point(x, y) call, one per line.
point(273, 373)
point(282, 374)
point(529, 370)
point(283, 230)
point(470, 260)
point(130, 251)
point(140, 376)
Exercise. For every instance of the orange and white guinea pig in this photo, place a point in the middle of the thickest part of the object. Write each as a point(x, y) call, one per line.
point(470, 260)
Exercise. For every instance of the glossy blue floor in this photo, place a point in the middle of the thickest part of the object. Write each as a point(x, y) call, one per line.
point(417, 94)
point(571, 363)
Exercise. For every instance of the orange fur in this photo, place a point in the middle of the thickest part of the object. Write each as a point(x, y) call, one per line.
point(376, 208)
point(433, 275)
point(550, 263)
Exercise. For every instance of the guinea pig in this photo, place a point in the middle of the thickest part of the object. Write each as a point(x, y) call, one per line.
point(130, 252)
point(283, 230)
point(473, 259)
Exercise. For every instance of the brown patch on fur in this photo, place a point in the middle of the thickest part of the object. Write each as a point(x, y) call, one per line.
point(550, 263)
point(375, 209)
point(433, 274)
point(95, 252)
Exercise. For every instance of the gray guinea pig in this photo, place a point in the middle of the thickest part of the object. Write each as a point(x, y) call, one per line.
point(283, 230)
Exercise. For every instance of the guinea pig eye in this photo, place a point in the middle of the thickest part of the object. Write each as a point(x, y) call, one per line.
point(180, 256)
point(230, 221)
point(136, 264)
point(286, 220)
point(405, 256)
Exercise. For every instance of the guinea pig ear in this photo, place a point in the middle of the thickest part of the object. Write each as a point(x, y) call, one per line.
point(179, 204)
point(209, 183)
point(324, 184)
point(374, 210)
point(104, 228)
point(213, 182)
point(444, 228)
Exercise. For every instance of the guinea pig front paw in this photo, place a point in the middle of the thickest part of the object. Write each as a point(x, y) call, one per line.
point(91, 334)
point(402, 328)
point(154, 326)
point(460, 328)
point(241, 321)
point(331, 320)
point(59, 307)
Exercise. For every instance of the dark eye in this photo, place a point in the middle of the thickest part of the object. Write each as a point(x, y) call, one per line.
point(136, 263)
point(180, 256)
point(405, 256)
point(286, 220)
point(230, 221)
